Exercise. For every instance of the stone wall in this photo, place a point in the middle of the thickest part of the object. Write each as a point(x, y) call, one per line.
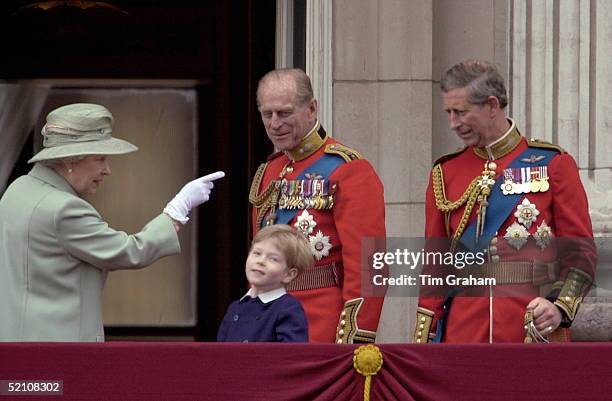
point(562, 92)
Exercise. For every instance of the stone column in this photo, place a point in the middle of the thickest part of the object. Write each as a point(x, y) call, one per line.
point(562, 92)
point(382, 91)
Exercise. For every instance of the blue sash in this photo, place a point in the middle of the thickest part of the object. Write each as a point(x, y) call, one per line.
point(324, 167)
point(500, 205)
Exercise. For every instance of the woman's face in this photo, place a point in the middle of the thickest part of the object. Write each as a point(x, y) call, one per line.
point(88, 173)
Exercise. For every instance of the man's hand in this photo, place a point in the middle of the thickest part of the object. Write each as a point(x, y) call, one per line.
point(546, 316)
point(193, 194)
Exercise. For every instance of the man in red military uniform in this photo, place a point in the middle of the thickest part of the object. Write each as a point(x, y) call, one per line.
point(518, 201)
point(332, 195)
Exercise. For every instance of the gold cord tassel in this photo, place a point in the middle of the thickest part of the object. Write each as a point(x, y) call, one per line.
point(485, 183)
point(367, 361)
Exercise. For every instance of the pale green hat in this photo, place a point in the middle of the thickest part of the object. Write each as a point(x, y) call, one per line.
point(80, 129)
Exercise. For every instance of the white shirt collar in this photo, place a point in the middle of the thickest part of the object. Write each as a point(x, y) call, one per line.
point(266, 297)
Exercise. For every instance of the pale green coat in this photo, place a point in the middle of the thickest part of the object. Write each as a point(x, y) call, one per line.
point(55, 252)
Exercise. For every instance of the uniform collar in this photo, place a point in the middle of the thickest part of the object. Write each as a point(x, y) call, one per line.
point(309, 144)
point(51, 177)
point(266, 297)
point(501, 147)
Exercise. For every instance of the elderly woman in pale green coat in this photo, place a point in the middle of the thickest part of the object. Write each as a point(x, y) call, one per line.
point(55, 249)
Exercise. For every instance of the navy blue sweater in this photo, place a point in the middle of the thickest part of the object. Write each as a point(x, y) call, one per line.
point(251, 320)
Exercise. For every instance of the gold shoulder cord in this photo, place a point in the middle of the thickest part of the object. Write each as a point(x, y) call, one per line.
point(478, 190)
point(263, 202)
point(267, 200)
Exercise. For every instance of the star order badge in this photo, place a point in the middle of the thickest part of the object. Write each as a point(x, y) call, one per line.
point(305, 223)
point(543, 235)
point(516, 235)
point(320, 245)
point(526, 213)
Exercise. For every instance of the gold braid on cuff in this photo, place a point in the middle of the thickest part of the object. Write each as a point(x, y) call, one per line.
point(348, 332)
point(423, 326)
point(573, 291)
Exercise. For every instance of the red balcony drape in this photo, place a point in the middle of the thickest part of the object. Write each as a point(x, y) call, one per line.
point(270, 372)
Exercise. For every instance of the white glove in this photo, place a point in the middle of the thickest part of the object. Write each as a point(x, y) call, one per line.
point(193, 194)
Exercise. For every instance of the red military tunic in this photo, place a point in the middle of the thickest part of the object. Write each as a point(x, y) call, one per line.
point(331, 293)
point(562, 212)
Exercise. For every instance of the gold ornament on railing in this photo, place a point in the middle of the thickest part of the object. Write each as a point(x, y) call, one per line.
point(367, 361)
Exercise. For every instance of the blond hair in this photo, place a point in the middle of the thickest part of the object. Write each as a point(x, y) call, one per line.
point(291, 243)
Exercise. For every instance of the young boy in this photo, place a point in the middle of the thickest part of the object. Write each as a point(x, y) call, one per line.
point(279, 253)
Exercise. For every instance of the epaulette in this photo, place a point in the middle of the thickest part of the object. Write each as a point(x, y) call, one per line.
point(274, 155)
point(537, 143)
point(345, 152)
point(449, 155)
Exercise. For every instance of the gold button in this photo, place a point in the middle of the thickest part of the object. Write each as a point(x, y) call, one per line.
point(339, 341)
point(421, 326)
point(420, 333)
point(494, 240)
point(343, 313)
point(495, 258)
point(493, 250)
point(343, 323)
point(418, 340)
point(423, 319)
point(341, 332)
point(568, 299)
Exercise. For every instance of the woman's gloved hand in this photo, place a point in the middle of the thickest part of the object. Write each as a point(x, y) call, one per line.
point(193, 194)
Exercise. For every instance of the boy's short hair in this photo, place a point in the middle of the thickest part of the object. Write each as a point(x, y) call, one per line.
point(291, 243)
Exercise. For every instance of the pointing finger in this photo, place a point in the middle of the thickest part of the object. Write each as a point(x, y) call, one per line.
point(213, 176)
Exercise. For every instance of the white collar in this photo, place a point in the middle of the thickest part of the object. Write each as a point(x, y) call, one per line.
point(267, 296)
